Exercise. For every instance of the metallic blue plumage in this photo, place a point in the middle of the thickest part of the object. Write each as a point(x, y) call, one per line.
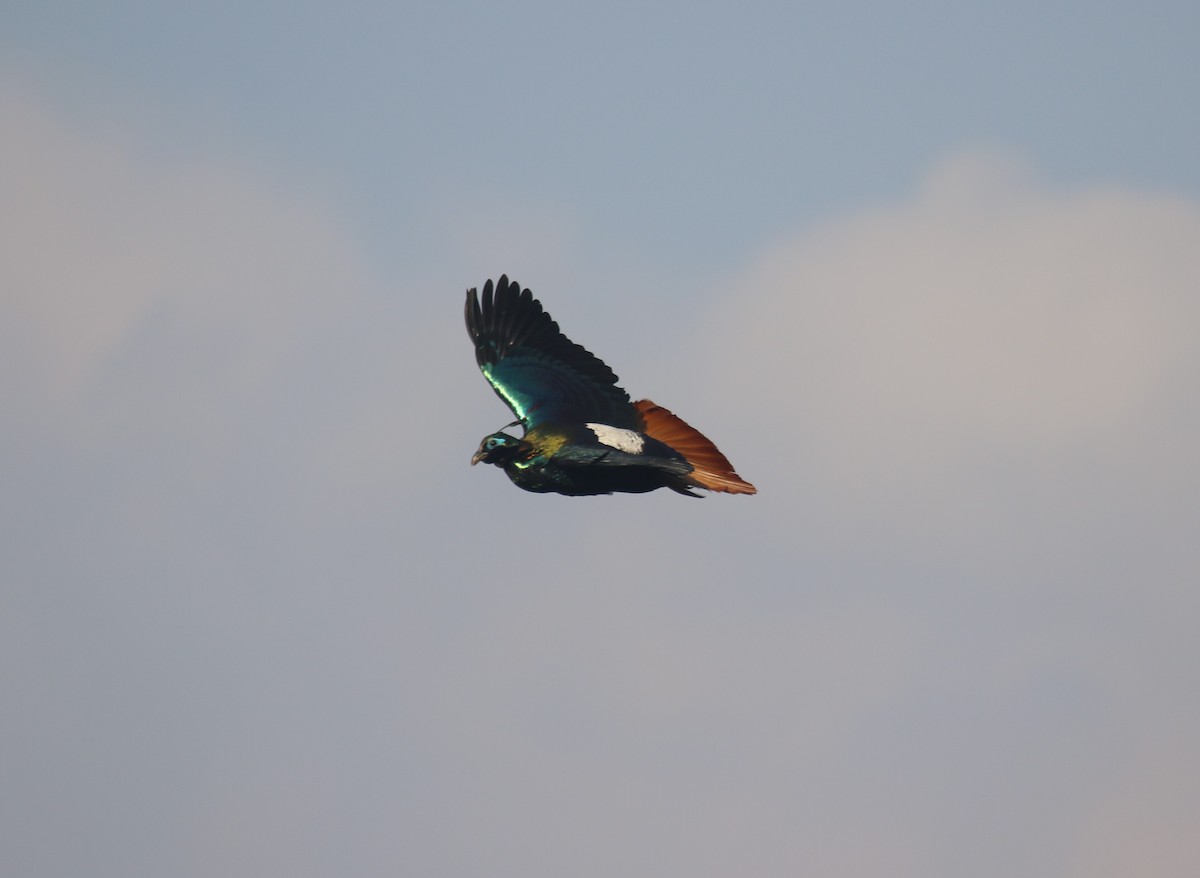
point(583, 435)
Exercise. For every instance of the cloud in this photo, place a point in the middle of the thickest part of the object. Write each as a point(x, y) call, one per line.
point(186, 320)
point(263, 615)
point(975, 403)
point(906, 358)
point(203, 401)
point(111, 251)
point(1144, 823)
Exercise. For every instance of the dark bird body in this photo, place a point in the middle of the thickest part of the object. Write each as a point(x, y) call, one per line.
point(583, 435)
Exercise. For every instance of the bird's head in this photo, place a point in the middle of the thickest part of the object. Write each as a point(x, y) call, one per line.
point(498, 449)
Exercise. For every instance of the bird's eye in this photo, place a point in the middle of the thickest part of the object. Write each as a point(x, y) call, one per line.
point(492, 443)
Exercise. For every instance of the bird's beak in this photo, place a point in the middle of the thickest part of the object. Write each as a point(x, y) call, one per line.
point(477, 456)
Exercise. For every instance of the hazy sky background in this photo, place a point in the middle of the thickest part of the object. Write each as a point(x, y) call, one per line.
point(928, 273)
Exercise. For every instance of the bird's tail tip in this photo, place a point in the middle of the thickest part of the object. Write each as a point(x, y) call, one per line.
point(710, 468)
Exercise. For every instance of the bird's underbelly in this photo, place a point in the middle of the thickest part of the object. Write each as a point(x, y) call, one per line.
point(586, 481)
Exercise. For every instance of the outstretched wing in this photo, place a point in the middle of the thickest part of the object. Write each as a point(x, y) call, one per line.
point(540, 374)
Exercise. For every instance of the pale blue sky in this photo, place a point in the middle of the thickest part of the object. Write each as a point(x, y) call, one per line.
point(926, 274)
point(681, 129)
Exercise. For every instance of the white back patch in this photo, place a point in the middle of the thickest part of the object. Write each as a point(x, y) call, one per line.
point(614, 437)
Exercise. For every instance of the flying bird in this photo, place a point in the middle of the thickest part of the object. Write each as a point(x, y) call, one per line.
point(582, 434)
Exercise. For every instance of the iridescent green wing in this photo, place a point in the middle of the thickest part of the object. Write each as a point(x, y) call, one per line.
point(541, 375)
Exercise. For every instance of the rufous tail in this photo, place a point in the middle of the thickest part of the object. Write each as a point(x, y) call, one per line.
point(710, 468)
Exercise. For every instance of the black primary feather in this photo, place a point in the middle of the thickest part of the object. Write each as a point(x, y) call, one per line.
point(540, 374)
